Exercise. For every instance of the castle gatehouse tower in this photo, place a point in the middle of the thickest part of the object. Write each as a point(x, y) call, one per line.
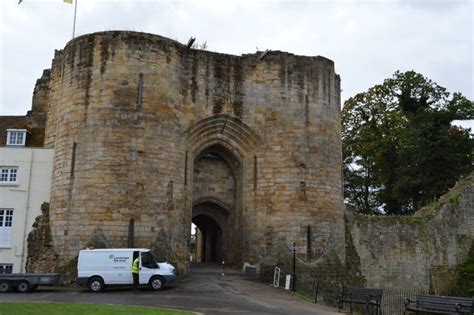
point(150, 136)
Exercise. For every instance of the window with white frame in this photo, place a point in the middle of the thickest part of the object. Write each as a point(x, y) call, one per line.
point(6, 268)
point(16, 137)
point(8, 174)
point(6, 221)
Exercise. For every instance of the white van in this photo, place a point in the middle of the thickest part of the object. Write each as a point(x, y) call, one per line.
point(100, 267)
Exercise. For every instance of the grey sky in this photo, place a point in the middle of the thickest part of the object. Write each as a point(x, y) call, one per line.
point(368, 40)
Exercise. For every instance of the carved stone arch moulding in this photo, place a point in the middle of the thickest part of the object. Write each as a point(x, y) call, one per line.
point(214, 202)
point(227, 131)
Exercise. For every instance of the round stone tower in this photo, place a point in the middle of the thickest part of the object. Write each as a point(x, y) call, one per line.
point(150, 136)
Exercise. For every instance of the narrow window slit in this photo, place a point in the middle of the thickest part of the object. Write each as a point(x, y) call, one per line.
point(255, 173)
point(186, 169)
point(140, 92)
point(73, 159)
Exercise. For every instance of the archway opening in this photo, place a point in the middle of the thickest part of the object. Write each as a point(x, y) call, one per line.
point(209, 240)
point(216, 203)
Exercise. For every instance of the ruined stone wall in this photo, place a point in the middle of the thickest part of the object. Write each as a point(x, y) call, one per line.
point(39, 102)
point(41, 256)
point(420, 252)
point(130, 112)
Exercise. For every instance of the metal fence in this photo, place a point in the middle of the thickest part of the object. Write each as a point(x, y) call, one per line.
point(328, 293)
point(393, 300)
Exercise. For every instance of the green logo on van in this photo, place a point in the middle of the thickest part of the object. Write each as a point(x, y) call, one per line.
point(111, 256)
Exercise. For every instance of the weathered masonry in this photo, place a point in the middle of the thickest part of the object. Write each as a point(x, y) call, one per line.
point(150, 136)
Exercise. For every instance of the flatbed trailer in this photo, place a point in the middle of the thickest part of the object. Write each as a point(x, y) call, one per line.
point(26, 282)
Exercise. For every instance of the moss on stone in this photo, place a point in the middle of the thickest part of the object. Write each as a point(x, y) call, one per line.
point(47, 238)
point(416, 221)
point(451, 198)
point(422, 238)
point(41, 257)
point(352, 263)
point(67, 269)
point(98, 240)
point(454, 200)
point(328, 270)
point(464, 285)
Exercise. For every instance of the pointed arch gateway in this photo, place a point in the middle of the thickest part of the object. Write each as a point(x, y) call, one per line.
point(221, 150)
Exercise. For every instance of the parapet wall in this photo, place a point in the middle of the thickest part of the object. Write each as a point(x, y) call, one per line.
point(420, 252)
point(130, 112)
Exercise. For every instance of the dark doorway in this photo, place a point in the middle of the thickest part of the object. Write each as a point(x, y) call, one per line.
point(217, 189)
point(209, 239)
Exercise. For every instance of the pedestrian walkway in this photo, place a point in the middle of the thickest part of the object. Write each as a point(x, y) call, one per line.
point(235, 284)
point(213, 269)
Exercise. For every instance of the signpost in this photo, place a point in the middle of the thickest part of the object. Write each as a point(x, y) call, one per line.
point(276, 277)
point(287, 282)
point(293, 275)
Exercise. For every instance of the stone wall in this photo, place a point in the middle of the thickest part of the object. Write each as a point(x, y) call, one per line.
point(130, 113)
point(39, 104)
point(419, 252)
point(213, 178)
point(41, 256)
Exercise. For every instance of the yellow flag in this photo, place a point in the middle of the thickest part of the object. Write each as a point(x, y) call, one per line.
point(68, 1)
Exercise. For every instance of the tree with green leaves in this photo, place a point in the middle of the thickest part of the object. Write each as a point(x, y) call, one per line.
point(400, 148)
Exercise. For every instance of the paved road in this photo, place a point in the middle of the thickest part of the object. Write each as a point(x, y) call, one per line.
point(204, 291)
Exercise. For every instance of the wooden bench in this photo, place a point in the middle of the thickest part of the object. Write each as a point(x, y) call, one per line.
point(370, 298)
point(439, 304)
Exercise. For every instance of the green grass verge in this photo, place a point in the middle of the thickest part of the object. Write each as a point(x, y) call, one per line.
point(305, 296)
point(81, 309)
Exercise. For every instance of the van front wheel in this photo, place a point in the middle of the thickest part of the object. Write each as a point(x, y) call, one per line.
point(96, 284)
point(157, 283)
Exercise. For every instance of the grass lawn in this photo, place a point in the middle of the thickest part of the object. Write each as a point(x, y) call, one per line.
point(81, 309)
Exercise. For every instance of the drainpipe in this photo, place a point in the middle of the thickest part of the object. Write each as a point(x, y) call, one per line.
point(27, 208)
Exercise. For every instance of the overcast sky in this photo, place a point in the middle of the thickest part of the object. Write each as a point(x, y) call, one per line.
point(368, 40)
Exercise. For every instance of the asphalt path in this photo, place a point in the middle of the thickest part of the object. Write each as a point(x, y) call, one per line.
point(204, 291)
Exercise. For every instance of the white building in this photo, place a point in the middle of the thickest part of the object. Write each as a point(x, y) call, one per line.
point(25, 183)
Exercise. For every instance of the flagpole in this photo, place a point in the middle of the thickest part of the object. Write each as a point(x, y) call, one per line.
point(74, 23)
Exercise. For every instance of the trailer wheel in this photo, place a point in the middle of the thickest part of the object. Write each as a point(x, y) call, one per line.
point(23, 286)
point(96, 284)
point(157, 283)
point(4, 286)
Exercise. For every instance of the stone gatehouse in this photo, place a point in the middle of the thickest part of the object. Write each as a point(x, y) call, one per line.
point(150, 136)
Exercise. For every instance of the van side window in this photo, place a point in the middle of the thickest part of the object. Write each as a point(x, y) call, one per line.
point(148, 261)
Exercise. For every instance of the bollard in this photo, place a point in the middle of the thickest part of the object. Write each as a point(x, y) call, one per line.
point(222, 273)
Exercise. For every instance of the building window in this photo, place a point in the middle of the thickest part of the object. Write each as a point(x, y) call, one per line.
point(16, 137)
point(8, 174)
point(6, 221)
point(6, 268)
